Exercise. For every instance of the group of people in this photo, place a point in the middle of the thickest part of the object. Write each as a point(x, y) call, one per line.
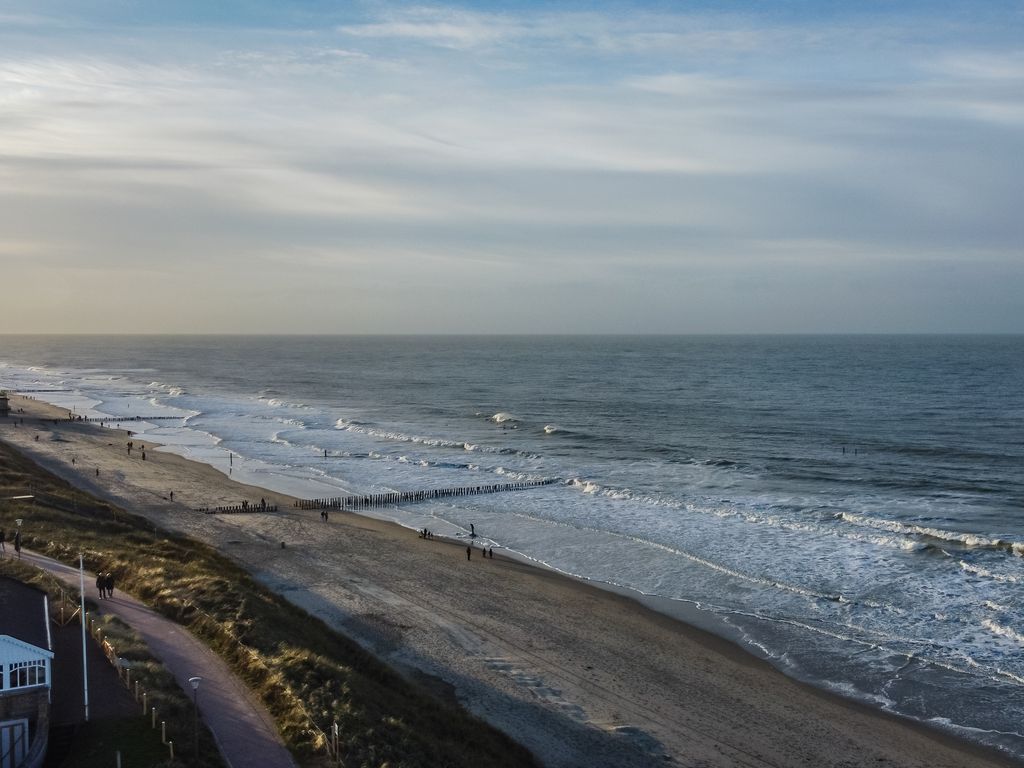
point(105, 584)
point(323, 515)
point(16, 539)
point(487, 552)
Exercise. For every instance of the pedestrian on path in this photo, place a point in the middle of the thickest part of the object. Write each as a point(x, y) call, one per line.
point(3, 541)
point(17, 542)
point(99, 585)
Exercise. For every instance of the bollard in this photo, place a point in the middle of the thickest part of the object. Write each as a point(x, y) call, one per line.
point(170, 746)
point(153, 723)
point(119, 758)
point(143, 702)
point(137, 691)
point(163, 731)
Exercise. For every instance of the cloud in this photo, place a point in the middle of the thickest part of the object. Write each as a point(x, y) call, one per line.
point(444, 27)
point(453, 147)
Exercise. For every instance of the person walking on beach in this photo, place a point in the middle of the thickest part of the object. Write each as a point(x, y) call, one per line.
point(469, 553)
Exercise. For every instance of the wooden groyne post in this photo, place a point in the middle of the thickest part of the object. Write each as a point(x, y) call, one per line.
point(391, 498)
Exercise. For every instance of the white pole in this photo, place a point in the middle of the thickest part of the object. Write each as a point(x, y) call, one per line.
point(85, 668)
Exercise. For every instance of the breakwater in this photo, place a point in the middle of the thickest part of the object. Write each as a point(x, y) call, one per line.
point(238, 508)
point(405, 497)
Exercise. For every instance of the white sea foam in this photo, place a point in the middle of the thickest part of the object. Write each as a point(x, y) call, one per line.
point(958, 537)
point(1002, 631)
point(984, 572)
point(172, 390)
point(430, 442)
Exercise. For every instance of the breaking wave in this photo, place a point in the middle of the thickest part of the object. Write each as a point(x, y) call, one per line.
point(971, 540)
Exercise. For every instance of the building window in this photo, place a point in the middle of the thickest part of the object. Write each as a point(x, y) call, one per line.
point(27, 673)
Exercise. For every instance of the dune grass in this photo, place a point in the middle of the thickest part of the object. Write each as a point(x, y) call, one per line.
point(140, 745)
point(306, 673)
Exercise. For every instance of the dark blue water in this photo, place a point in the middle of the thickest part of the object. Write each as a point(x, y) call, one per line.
point(851, 508)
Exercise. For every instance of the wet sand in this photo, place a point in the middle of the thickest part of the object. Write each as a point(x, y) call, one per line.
point(580, 676)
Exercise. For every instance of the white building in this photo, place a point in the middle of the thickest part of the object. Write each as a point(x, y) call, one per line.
point(24, 699)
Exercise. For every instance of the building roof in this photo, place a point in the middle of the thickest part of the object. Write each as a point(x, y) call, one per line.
point(22, 615)
point(13, 650)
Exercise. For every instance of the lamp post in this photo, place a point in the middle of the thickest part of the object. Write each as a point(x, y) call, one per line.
point(85, 668)
point(194, 682)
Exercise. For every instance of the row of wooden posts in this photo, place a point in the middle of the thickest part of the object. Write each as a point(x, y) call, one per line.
point(124, 673)
point(116, 419)
point(238, 508)
point(400, 497)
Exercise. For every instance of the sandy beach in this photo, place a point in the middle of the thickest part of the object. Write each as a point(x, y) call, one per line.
point(580, 676)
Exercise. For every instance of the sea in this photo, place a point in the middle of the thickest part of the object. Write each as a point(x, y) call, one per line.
point(849, 508)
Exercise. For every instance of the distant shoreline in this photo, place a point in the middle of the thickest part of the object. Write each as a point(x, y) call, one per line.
point(490, 630)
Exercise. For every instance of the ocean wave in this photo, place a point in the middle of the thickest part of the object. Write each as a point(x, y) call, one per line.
point(984, 572)
point(719, 567)
point(592, 488)
point(502, 417)
point(719, 463)
point(972, 540)
point(431, 442)
point(172, 390)
point(995, 606)
point(512, 474)
point(277, 402)
point(947, 724)
point(1001, 631)
point(552, 429)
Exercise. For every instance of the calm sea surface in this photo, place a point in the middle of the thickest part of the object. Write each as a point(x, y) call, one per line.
point(850, 508)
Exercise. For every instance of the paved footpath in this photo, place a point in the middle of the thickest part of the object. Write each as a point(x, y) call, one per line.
point(241, 725)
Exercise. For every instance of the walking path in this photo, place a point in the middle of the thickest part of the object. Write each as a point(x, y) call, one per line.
point(243, 729)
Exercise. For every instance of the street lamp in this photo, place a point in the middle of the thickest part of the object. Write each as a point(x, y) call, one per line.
point(194, 682)
point(85, 668)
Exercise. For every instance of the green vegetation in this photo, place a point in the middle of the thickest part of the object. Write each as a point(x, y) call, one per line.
point(308, 675)
point(96, 742)
point(140, 745)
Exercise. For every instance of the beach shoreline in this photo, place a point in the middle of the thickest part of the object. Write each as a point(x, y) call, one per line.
point(567, 667)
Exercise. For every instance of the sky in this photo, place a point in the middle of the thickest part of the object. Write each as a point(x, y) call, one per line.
point(254, 166)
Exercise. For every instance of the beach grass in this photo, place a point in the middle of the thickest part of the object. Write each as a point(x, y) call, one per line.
point(308, 675)
point(97, 741)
